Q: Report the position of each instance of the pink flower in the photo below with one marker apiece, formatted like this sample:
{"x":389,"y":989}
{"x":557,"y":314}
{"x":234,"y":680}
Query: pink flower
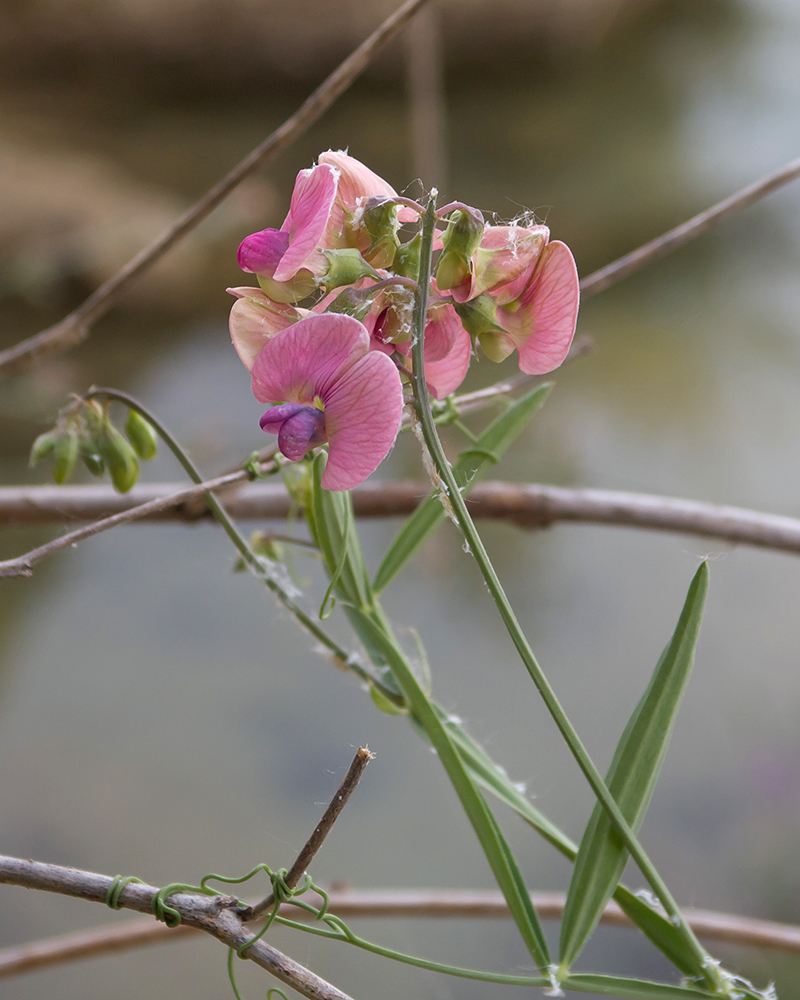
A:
{"x":540,"y":320}
{"x":505,"y":253}
{"x":332,"y":388}
{"x":256,"y":319}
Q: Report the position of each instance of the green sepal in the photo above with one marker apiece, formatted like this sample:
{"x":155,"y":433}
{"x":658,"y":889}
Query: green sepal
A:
{"x":65,"y":453}
{"x":379,"y":221}
{"x":355,"y":302}
{"x":141,"y":435}
{"x":631,"y":778}
{"x":406,"y":258}
{"x":497,"y":851}
{"x":479,"y":316}
{"x":472,"y":463}
{"x":460,"y":241}
{"x":346,"y":267}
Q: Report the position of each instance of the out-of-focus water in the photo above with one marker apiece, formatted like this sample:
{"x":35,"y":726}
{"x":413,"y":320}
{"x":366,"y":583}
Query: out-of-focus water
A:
{"x":159,"y":716}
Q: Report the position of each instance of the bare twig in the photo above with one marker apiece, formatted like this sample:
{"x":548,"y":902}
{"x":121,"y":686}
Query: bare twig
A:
{"x":686,"y":231}
{"x":389,"y":903}
{"x":75,"y":327}
{"x":216,"y":915}
{"x":323,"y":828}
{"x":527,"y":505}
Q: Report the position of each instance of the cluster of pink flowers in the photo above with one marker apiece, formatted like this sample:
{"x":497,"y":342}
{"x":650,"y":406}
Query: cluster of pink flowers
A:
{"x":328,"y":370}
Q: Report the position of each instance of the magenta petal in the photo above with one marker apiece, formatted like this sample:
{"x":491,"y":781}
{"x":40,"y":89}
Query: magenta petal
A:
{"x":362,"y":417}
{"x":274,"y":417}
{"x":261,"y":252}
{"x":308,"y":358}
{"x":551,"y":309}
{"x":445,"y":376}
{"x":301,"y":432}
{"x":312,"y":200}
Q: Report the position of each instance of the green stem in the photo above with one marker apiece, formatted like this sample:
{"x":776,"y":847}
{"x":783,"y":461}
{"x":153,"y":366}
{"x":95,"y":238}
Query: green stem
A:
{"x":255,"y":562}
{"x":479,"y":553}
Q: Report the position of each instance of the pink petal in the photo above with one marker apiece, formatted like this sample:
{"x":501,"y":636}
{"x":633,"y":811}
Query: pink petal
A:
{"x":260,"y":253}
{"x":445,"y":376}
{"x":312,"y":200}
{"x":505,"y":253}
{"x":442,"y":332}
{"x":363,"y":410}
{"x":308,"y":358}
{"x":254,"y":320}
{"x":545,"y":325}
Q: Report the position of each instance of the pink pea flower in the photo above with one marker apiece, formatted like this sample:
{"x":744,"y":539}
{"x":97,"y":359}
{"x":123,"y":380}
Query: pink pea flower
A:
{"x":505,"y":254}
{"x":330,"y":387}
{"x":256,"y":319}
{"x":540,"y":319}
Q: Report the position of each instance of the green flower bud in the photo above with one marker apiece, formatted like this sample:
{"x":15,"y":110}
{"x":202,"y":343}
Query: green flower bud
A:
{"x":42,"y":447}
{"x":65,"y":452}
{"x":346,"y":267}
{"x":141,"y":435}
{"x":379,"y":220}
{"x":406,"y":260}
{"x":120,"y":458}
{"x":91,"y":457}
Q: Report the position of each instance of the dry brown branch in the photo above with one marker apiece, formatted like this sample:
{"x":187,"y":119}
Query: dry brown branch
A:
{"x":323,"y":828}
{"x":686,"y":231}
{"x":527,"y":505}
{"x":216,"y":915}
{"x":75,"y":327}
{"x":426,"y":903}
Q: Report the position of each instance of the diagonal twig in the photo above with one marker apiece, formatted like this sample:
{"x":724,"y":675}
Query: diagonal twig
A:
{"x":312,"y":845}
{"x":216,"y":915}
{"x":74,"y":328}
{"x":599,"y":280}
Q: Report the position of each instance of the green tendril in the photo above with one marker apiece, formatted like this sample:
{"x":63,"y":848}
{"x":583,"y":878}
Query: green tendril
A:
{"x":115,"y":890}
{"x":168,"y":914}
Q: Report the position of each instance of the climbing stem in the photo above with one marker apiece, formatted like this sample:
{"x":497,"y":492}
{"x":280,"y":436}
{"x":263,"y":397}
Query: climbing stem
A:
{"x":452,"y":495}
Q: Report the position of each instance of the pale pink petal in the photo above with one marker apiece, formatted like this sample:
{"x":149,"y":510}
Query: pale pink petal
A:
{"x":505,"y":253}
{"x":445,"y":376}
{"x":442,"y":332}
{"x":312,"y":200}
{"x":255,"y":319}
{"x":545,"y":325}
{"x":260,"y":253}
{"x":362,"y":417}
{"x":308,"y":358}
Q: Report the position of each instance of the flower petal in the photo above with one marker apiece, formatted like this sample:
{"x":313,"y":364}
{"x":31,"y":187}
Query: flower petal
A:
{"x":273,"y":419}
{"x":312,"y":200}
{"x":301,"y":432}
{"x":260,"y":253}
{"x":544,"y":326}
{"x":362,"y":417}
{"x":308,"y":358}
{"x":445,"y":376}
{"x":505,"y":253}
{"x":255,"y":319}
{"x":442,"y":332}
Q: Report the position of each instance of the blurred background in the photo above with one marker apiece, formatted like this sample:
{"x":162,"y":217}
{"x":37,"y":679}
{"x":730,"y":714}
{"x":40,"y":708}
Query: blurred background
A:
{"x":158,"y":715}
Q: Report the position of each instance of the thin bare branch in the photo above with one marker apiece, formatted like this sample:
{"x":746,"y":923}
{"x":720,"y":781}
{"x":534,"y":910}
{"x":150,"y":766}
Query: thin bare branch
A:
{"x":216,"y":915}
{"x":436,"y":903}
{"x":686,"y":231}
{"x":75,"y":327}
{"x":312,"y":845}
{"x":527,"y":505}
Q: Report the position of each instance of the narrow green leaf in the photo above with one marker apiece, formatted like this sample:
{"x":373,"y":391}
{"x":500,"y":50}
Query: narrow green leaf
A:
{"x":661,"y":931}
{"x":631,"y":989}
{"x":631,"y":778}
{"x":487,"y":450}
{"x":483,"y":823}
{"x":332,"y":524}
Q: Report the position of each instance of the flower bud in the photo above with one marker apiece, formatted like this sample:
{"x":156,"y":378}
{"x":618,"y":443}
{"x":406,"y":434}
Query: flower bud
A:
{"x":65,"y":452}
{"x":42,"y":447}
{"x":379,"y":221}
{"x":91,"y":457}
{"x":346,"y":267}
{"x":120,"y":458}
{"x":460,"y":241}
{"x":141,"y":435}
{"x":406,"y":259}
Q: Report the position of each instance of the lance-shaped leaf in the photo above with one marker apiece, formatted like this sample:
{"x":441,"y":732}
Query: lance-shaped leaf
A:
{"x":497,"y":851}
{"x":472,"y":463}
{"x":631,"y":778}
{"x":631,"y":989}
